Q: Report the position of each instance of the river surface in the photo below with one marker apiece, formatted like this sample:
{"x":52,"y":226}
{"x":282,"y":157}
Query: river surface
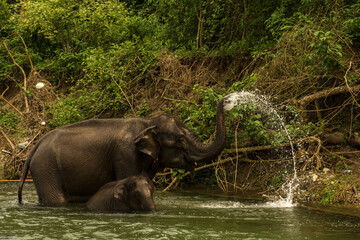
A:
{"x":179,"y":215}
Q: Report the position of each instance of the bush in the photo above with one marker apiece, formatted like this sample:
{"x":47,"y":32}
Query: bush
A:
{"x":9,"y":120}
{"x":65,"y":33}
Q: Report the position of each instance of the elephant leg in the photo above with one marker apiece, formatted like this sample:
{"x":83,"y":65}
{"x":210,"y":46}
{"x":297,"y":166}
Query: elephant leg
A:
{"x":49,"y":188}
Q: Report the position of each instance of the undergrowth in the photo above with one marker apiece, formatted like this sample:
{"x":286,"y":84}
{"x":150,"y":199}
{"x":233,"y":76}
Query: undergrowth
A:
{"x":108,"y":59}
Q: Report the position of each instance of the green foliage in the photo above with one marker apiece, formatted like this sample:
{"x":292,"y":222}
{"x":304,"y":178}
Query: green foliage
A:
{"x":336,"y":190}
{"x":9,"y":120}
{"x":228,"y":26}
{"x":178,"y":173}
{"x":329,"y":193}
{"x":316,"y":44}
{"x":246,"y":84}
{"x":74,"y":24}
{"x":143,"y":109}
{"x":326,"y":39}
{"x":64,"y":32}
{"x":340,"y":166}
{"x":79,"y":105}
{"x":5,"y":13}
{"x":201,"y":115}
{"x":279,"y":178}
{"x":298,"y":130}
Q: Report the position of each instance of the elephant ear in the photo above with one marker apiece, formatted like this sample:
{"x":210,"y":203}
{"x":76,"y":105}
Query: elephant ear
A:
{"x":120,"y":192}
{"x":146,"y":142}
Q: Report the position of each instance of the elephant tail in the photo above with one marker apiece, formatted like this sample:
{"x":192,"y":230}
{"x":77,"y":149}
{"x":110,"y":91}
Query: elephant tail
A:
{"x":26,"y":170}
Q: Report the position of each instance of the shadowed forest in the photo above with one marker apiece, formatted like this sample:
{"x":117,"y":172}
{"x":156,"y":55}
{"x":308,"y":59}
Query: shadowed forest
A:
{"x":63,"y":61}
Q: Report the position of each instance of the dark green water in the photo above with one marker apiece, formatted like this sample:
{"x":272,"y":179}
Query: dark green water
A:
{"x":179,"y":216}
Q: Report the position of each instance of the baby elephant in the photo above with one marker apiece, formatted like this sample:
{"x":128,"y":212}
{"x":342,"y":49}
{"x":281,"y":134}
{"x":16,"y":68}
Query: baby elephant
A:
{"x":130,"y":194}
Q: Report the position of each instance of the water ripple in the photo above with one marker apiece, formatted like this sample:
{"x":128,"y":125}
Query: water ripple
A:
{"x":179,"y":216}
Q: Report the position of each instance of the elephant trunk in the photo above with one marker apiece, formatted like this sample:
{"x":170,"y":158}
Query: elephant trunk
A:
{"x":148,"y":205}
{"x":199,"y":152}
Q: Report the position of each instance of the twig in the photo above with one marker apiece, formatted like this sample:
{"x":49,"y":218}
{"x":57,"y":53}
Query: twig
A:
{"x":3,"y":98}
{"x":198,"y":169}
{"x":6,"y":152}
{"x":5,"y":181}
{"x":8,"y":140}
{"x":27,"y":53}
{"x":27,"y":145}
{"x":347,"y":85}
{"x":118,"y":85}
{"x":237,"y":154}
{"x":315,"y":155}
{"x":24,"y":75}
{"x":173,"y":99}
{"x":170,"y":185}
{"x":178,"y":82}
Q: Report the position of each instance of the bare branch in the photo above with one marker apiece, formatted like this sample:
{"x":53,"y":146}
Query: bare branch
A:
{"x":8,"y":140}
{"x":327,"y":92}
{"x":24,"y":76}
{"x":3,"y":98}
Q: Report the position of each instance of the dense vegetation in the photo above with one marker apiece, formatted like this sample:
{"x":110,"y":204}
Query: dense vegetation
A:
{"x":101,"y":58}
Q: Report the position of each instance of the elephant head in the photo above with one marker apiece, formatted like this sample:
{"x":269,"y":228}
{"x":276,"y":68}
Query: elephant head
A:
{"x":171,"y":144}
{"x":137,"y":192}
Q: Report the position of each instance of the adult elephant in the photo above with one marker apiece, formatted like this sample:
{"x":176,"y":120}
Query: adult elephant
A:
{"x":72,"y":162}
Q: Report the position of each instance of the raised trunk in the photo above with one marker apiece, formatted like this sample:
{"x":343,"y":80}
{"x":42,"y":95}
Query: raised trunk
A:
{"x":200,"y":152}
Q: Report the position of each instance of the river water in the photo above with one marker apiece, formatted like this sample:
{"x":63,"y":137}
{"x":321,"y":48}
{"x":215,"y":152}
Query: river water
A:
{"x":179,"y":215}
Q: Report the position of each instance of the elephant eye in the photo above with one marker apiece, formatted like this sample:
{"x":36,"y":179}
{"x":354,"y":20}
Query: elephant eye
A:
{"x":137,"y":195}
{"x":181,"y":142}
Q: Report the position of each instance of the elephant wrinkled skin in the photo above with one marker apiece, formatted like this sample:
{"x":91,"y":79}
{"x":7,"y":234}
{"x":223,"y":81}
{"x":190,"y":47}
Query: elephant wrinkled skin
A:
{"x":129,"y":194}
{"x":70,"y":163}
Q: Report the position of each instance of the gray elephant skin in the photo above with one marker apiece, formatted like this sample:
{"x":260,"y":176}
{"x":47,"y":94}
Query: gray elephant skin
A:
{"x":130,"y":194}
{"x":71,"y":163}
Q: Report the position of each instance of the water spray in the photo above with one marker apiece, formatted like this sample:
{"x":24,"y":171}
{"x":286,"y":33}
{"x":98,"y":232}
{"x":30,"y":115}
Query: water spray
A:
{"x":264,"y":105}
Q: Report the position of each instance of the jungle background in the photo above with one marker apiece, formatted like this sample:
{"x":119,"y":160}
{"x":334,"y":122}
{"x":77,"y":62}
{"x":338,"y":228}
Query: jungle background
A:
{"x":63,"y":61}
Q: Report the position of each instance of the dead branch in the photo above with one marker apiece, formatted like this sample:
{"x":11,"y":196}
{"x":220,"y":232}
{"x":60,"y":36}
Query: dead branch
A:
{"x":237,"y":153}
{"x":5,"y":100}
{"x":347,"y":84}
{"x":315,"y":155}
{"x":198,"y":169}
{"x":325,"y":93}
{"x":245,"y":150}
{"x":118,"y":85}
{"x":171,"y":184}
{"x":22,"y":71}
{"x":5,"y":181}
{"x":267,"y":147}
{"x":8,"y":139}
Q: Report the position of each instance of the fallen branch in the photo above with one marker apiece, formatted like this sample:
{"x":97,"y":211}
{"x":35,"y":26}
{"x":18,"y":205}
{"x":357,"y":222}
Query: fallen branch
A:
{"x":198,"y":169}
{"x":5,"y":181}
{"x":171,"y":184}
{"x":328,"y":92}
{"x":245,"y":150}
{"x":268,"y":147}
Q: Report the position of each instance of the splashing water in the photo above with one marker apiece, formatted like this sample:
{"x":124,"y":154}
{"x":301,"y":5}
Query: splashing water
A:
{"x":264,"y":105}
